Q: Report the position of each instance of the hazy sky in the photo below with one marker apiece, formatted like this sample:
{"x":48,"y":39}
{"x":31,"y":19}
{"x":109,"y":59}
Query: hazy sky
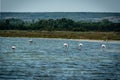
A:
{"x":60,"y":5}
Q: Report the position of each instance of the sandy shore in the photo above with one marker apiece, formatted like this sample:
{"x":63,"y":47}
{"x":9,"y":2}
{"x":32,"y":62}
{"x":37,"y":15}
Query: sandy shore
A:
{"x":87,"y":40}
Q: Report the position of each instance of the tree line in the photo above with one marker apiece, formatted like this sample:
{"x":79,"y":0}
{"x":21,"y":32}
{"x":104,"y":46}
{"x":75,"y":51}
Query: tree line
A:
{"x":62,"y":24}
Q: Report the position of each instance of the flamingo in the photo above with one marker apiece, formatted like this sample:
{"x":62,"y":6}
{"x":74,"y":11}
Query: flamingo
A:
{"x":13,"y":48}
{"x":30,"y":40}
{"x":80,"y":45}
{"x":103,"y":46}
{"x":65,"y":45}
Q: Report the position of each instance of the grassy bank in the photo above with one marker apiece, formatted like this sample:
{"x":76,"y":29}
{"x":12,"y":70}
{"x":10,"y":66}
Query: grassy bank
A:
{"x":61,"y":34}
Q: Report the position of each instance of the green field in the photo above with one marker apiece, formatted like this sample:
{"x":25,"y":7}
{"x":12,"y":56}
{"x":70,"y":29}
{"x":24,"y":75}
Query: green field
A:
{"x":61,"y":34}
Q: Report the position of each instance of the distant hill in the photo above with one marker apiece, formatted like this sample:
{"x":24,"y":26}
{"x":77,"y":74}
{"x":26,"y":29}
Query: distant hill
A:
{"x":77,"y":16}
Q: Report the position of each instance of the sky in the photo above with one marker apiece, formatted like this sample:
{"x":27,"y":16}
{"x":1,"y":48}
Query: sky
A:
{"x":59,"y":5}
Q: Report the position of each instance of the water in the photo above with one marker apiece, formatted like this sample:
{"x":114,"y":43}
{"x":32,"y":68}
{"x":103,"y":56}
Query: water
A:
{"x":77,"y":16}
{"x":48,"y":59}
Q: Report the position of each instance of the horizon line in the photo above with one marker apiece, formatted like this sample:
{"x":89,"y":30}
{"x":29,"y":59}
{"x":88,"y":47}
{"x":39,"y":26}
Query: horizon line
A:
{"x":57,"y":12}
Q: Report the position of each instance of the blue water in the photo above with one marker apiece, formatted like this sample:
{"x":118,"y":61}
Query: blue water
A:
{"x":76,"y":16}
{"x":48,"y":59}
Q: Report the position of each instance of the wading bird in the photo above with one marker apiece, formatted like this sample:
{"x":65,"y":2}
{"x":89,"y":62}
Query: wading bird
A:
{"x":80,"y":46}
{"x":30,"y":40}
{"x":13,"y":48}
{"x":103,"y":46}
{"x":65,"y":45}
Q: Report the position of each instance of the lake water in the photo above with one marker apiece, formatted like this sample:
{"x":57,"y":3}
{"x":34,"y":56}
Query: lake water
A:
{"x":48,"y":59}
{"x":76,"y":16}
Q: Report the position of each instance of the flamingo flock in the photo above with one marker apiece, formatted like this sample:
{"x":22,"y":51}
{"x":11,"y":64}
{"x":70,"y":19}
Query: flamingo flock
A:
{"x":66,"y":45}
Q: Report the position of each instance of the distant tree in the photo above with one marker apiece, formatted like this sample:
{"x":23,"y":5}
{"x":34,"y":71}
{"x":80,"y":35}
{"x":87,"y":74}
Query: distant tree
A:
{"x":62,"y":24}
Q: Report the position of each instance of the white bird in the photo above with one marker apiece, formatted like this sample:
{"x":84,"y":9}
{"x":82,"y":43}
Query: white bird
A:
{"x":65,"y":45}
{"x":13,"y":47}
{"x":30,"y":40}
{"x":80,"y":45}
{"x":103,"y":46}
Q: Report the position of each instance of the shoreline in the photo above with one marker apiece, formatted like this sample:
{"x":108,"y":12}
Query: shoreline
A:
{"x":87,"y":40}
{"x":96,"y":36}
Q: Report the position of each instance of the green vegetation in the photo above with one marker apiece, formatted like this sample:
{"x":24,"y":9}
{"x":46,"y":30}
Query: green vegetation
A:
{"x":59,"y":25}
{"x":61,"y":34}
{"x":60,"y":28}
